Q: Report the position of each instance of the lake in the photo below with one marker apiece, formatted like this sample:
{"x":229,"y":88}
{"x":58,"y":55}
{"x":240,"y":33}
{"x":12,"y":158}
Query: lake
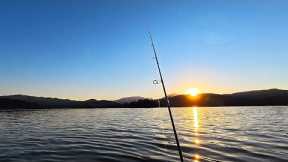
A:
{"x":236,"y":134}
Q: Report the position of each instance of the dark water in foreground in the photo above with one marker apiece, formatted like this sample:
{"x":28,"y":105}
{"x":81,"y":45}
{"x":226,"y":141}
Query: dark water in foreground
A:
{"x":107,"y":135}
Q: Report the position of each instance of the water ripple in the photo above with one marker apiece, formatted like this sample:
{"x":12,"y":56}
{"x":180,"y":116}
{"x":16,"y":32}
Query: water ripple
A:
{"x":130,"y":135}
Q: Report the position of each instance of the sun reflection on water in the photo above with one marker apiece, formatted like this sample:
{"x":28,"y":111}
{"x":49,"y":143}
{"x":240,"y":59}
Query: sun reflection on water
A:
{"x":196,"y":119}
{"x":196,"y":141}
{"x":196,"y":158}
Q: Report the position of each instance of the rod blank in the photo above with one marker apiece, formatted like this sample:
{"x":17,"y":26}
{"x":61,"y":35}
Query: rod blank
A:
{"x":166,"y":98}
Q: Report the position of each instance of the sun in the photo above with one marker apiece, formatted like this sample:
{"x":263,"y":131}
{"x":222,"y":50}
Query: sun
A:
{"x":193,"y":91}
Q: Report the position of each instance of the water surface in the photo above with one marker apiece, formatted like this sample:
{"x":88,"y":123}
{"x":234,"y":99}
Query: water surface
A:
{"x":236,"y":134}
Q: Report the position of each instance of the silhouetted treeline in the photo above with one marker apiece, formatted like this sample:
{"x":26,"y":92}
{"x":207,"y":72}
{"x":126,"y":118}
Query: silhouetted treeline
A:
{"x":250,"y":98}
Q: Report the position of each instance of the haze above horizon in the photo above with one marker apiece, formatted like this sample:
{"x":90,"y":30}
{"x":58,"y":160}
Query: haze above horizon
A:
{"x":91,"y":49}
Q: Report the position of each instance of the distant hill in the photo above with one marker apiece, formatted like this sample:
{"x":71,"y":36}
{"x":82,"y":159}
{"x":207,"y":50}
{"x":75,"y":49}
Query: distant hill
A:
{"x":126,"y":100}
{"x":45,"y":102}
{"x":248,"y":98}
{"x":6,"y":103}
{"x":41,"y":101}
{"x":259,"y":93}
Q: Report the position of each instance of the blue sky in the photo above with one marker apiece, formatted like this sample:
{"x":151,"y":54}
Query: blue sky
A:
{"x":82,"y":49}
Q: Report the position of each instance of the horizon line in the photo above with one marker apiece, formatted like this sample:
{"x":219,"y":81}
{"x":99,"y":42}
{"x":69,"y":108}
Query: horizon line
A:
{"x":172,"y":94}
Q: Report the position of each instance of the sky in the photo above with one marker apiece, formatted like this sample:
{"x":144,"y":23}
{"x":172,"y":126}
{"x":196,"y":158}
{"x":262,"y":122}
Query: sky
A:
{"x":82,"y":49}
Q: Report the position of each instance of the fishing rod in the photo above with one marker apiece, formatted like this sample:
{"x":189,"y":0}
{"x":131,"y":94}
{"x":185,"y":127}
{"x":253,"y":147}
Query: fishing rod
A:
{"x":166,"y":98}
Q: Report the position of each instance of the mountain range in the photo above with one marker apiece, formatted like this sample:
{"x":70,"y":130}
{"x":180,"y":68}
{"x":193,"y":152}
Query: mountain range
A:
{"x":248,"y":98}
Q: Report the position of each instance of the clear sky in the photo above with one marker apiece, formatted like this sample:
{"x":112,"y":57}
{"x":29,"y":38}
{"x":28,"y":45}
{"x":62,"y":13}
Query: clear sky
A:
{"x":82,"y":49}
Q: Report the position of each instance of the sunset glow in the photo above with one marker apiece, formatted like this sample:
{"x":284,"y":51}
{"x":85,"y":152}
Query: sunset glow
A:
{"x":192,"y":91}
